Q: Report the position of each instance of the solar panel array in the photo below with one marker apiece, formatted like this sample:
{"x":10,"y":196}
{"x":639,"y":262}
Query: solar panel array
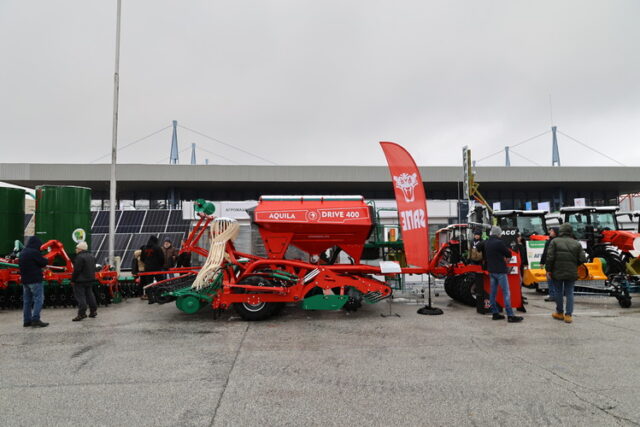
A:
{"x":133,"y":229}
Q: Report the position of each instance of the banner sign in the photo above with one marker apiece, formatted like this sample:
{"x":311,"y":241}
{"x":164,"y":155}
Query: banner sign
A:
{"x":412,"y":203}
{"x":534,"y":252}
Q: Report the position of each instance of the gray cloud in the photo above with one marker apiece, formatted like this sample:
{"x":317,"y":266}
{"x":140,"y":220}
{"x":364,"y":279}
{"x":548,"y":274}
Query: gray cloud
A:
{"x":302,"y":82}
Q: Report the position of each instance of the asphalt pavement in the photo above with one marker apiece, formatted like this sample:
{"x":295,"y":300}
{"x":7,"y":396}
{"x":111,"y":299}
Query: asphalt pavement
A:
{"x":140,"y":364}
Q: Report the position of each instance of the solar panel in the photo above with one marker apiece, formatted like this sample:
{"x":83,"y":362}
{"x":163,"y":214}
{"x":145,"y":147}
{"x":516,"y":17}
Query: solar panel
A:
{"x":137,"y":241}
{"x":176,"y":223}
{"x":27,"y":218}
{"x":156,"y":221}
{"x":130,"y":222}
{"x":101,"y":224}
{"x":97,"y":240}
{"x":121,"y":241}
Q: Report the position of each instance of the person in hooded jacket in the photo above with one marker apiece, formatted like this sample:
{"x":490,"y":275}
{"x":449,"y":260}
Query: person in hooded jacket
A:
{"x":31,"y":264}
{"x":553,"y":233}
{"x":564,"y":256}
{"x":153,"y":259}
{"x":82,"y":280}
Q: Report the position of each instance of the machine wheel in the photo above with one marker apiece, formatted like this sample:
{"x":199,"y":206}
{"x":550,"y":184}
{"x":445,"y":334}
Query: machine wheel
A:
{"x":467,"y":289}
{"x":614,"y":262}
{"x":624,"y":301}
{"x":355,"y":299}
{"x":451,"y":287}
{"x":260,"y":310}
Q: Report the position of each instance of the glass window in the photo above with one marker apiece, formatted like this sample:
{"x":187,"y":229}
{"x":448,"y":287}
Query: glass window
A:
{"x":528,"y":225}
{"x":579,"y":223}
{"x":603,"y":221}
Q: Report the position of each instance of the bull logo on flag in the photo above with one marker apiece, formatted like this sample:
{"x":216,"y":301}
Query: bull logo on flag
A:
{"x":407,"y":183}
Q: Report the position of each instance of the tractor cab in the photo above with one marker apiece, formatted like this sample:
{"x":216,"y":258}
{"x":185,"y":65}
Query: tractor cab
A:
{"x":454,"y":240}
{"x":530,"y":224}
{"x":629,"y":221}
{"x":589,"y":222}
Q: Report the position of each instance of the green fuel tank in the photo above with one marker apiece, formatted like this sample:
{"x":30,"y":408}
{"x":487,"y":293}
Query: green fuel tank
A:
{"x":11,"y":218}
{"x":63,"y":213}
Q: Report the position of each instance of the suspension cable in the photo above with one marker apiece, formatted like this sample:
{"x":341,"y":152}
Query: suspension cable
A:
{"x":227,"y":144}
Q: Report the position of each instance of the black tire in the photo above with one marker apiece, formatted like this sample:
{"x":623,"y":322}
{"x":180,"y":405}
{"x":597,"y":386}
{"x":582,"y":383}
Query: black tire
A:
{"x":615,"y":263}
{"x":467,"y":289}
{"x":451,"y":287}
{"x":261,"y":310}
{"x":624,"y":301}
{"x":355,"y":299}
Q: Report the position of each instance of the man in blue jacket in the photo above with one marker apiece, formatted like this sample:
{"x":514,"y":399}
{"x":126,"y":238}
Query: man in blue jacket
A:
{"x":496,"y":254}
{"x":31,"y":264}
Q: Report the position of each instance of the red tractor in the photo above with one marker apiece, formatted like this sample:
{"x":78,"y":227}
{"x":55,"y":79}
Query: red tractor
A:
{"x":602,"y":237}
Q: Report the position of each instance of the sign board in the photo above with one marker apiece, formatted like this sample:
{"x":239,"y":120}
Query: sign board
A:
{"x":528,"y":206}
{"x":496,"y":206}
{"x":580,"y":202}
{"x":466,"y":190}
{"x":235,"y":210}
{"x":544,"y":206}
{"x":534,"y":252}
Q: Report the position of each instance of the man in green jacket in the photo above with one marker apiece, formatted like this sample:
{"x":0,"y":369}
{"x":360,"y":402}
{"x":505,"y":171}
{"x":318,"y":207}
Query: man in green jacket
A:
{"x":564,"y":255}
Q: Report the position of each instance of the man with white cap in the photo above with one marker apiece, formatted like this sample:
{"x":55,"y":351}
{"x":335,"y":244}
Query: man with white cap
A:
{"x":497,"y":254}
{"x":83,"y":278}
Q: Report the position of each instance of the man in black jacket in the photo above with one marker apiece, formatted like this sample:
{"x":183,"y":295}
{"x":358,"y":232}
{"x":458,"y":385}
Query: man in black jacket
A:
{"x":31,"y":263}
{"x":153,"y":259}
{"x":82,"y":279}
{"x":496,"y":254}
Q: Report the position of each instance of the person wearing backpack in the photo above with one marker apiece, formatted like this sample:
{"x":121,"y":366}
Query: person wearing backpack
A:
{"x":564,"y":255}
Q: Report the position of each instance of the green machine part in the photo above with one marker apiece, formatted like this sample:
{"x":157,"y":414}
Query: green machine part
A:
{"x":63,"y":213}
{"x":324,"y":302}
{"x":201,"y":205}
{"x":11,"y":218}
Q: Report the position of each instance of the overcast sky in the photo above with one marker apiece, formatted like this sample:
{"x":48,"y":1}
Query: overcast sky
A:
{"x":321,"y":82}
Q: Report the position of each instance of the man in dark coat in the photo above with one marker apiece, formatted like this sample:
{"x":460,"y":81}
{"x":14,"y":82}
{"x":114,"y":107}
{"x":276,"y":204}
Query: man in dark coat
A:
{"x":564,"y":256}
{"x":496,"y":254}
{"x":31,"y":264}
{"x":553,"y":233}
{"x":82,"y":280}
{"x":153,"y":259}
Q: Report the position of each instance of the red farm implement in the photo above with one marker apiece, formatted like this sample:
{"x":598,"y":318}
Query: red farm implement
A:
{"x":257,"y":287}
{"x":57,"y":276}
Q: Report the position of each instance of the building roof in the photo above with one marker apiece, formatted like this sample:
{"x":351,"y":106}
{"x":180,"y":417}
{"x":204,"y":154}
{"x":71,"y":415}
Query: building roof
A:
{"x":139,"y":177}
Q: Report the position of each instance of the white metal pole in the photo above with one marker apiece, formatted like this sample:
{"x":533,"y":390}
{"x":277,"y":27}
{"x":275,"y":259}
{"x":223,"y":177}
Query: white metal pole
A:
{"x":114,"y":144}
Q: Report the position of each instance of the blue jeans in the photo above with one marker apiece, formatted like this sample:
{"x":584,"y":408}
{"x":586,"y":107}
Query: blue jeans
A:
{"x":564,"y":287}
{"x":552,"y":289}
{"x":32,"y":299}
{"x":500,"y":279}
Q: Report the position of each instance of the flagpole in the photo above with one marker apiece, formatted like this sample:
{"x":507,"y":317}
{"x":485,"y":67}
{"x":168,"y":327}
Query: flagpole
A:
{"x":114,"y":144}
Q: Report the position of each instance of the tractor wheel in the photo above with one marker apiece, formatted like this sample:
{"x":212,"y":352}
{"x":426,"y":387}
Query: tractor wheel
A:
{"x":467,"y":289}
{"x":614,"y":264}
{"x":259,"y":310}
{"x":451,"y":287}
